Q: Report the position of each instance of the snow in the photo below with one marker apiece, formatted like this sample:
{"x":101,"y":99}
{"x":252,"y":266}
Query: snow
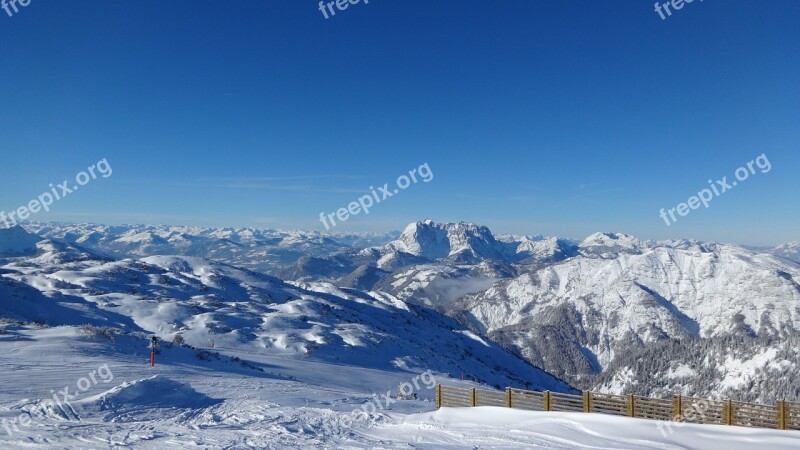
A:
{"x":262,"y":249}
{"x":475,"y":337}
{"x":15,"y":241}
{"x":672,"y":291}
{"x":737,"y":373}
{"x":153,"y":392}
{"x":431,"y":241}
{"x":292,"y":361}
{"x":681,"y":371}
{"x":790,"y":251}
{"x":607,"y":244}
{"x":282,"y":403}
{"x":503,"y":428}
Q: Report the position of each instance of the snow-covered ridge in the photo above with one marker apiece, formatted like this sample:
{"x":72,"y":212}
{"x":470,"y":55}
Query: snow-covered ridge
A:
{"x":206,"y":301}
{"x":265,"y":249}
{"x":16,"y":241}
{"x":434,"y":241}
{"x":790,"y":251}
{"x":596,"y":309}
{"x":572,"y":307}
{"x":465,"y":243}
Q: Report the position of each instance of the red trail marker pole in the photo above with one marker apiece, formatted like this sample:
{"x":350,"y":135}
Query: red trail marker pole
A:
{"x":153,"y":343}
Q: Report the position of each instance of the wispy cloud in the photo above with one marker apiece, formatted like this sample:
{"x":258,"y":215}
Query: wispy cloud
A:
{"x":285,"y":178}
{"x":300,"y":183}
{"x":491,"y":198}
{"x":132,"y":217}
{"x":595,"y":192}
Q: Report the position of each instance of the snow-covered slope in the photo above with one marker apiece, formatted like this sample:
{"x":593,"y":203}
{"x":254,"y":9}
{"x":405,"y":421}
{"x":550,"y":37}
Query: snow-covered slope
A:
{"x":289,"y":359}
{"x":440,"y":284}
{"x":206,"y":302}
{"x":363,"y":278}
{"x":790,"y":251}
{"x":15,"y":241}
{"x":575,"y":317}
{"x":610,"y":244}
{"x":503,"y":428}
{"x":468,"y":243}
{"x":752,"y":369}
{"x":573,"y":307}
{"x":463,"y":242}
{"x":259,"y":249}
{"x":542,"y":249}
{"x":195,"y":398}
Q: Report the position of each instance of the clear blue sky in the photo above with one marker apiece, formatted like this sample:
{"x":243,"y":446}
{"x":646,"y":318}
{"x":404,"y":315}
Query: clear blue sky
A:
{"x":556,"y":117}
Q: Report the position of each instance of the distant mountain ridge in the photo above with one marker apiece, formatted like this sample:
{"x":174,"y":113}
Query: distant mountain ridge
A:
{"x":583,"y":310}
{"x":16,"y":241}
{"x":204,"y":300}
{"x":790,"y":251}
{"x":266,"y":250}
{"x":577,"y":317}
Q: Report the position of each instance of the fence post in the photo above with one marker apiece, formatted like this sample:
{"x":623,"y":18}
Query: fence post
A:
{"x":631,"y":407}
{"x":474,"y":397}
{"x":509,"y":399}
{"x":676,"y":408}
{"x":728,"y":416}
{"x":587,"y":401}
{"x":438,"y":396}
{"x":547,"y":405}
{"x":781,"y":415}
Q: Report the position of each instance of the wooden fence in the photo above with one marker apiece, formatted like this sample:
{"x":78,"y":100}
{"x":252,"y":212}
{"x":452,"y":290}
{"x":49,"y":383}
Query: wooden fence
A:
{"x":782,"y":416}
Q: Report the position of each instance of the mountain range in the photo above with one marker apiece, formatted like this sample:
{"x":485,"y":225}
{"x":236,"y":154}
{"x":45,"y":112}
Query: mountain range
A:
{"x":609,"y":312}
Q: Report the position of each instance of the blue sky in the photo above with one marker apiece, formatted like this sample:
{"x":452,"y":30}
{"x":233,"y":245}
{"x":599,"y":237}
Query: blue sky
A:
{"x":555,"y":117}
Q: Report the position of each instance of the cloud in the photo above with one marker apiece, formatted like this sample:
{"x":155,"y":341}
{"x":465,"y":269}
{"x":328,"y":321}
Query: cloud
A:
{"x":285,"y":183}
{"x":494,"y":198}
{"x":595,"y":192}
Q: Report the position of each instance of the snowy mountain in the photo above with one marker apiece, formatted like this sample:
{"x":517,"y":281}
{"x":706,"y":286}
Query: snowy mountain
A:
{"x":205,"y":301}
{"x":576,"y":317}
{"x":308,"y":256}
{"x":759,"y":369}
{"x":463,"y":242}
{"x":790,"y":251}
{"x":16,"y":241}
{"x":537,"y":249}
{"x":436,"y":264}
{"x":224,"y":398}
{"x":363,"y":278}
{"x":467,"y":243}
{"x":362,"y":313}
{"x":440,"y":284}
{"x":610,"y":245}
{"x":574,"y":308}
{"x":266,"y":250}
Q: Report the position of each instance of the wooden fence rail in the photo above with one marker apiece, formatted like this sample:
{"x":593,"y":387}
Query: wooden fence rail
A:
{"x":782,"y":416}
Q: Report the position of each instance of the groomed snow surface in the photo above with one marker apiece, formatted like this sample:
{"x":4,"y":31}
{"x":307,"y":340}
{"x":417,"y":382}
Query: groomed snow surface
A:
{"x":279,"y":402}
{"x":503,"y":428}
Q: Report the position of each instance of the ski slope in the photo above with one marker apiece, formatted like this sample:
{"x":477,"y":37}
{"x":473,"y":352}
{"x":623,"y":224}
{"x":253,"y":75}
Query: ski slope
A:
{"x":279,"y":402}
